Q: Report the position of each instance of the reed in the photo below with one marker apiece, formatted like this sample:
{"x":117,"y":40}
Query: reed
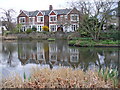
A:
{"x":59,"y":78}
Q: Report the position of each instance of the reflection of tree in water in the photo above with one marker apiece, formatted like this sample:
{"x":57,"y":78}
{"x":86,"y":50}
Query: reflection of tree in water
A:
{"x":118,"y":64}
{"x":8,"y":49}
{"x":85,"y":57}
{"x":88,"y":56}
{"x":27,"y":51}
{"x":100,"y":57}
{"x":111,"y":58}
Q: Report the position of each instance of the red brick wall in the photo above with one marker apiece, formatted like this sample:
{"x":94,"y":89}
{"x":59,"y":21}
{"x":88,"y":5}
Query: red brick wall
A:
{"x":74,"y":11}
{"x":24,"y":15}
{"x":46,"y":21}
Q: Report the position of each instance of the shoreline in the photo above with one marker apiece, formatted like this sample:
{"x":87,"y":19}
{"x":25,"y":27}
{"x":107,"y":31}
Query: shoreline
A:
{"x":94,"y":45}
{"x":72,"y":45}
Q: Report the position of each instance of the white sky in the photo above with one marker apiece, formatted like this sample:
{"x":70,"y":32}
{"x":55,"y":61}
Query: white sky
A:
{"x":32,"y":4}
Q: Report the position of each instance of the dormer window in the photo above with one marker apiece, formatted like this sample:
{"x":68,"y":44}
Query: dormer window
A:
{"x":40,"y":19}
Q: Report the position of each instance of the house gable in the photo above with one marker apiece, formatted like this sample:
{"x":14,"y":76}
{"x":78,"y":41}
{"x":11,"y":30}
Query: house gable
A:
{"x":52,"y":13}
{"x":40,"y":14}
{"x":74,"y":11}
{"x":22,"y":14}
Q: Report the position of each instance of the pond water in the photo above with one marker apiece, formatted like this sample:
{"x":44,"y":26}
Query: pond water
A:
{"x":20,"y":56}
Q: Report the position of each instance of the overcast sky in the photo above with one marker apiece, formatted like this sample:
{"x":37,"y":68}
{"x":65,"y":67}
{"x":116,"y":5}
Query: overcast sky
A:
{"x":32,"y":4}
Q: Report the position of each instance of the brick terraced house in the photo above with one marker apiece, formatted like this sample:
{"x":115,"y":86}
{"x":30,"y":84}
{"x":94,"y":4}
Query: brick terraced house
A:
{"x":67,"y":19}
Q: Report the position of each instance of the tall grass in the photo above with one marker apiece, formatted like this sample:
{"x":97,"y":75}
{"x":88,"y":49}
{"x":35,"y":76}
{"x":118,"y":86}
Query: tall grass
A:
{"x":111,"y":74}
{"x":59,"y":78}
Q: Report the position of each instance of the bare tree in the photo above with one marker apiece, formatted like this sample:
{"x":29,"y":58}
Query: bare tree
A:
{"x":95,"y":15}
{"x":7,"y":18}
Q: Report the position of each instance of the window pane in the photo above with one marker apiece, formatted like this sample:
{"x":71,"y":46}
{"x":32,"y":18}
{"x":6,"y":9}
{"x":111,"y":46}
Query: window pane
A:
{"x":53,"y":18}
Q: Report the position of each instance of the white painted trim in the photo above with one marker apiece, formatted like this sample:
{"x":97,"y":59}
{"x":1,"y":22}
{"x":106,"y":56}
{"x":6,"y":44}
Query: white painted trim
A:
{"x":40,"y":21}
{"x":39,"y":12}
{"x":74,"y":55}
{"x":52,"y":16}
{"x":75,"y":27}
{"x":50,"y":27}
{"x":39,"y":26}
{"x":22,"y":11}
{"x":69,"y":11}
{"x":51,"y":12}
{"x":22,"y":22}
{"x":74,"y":15}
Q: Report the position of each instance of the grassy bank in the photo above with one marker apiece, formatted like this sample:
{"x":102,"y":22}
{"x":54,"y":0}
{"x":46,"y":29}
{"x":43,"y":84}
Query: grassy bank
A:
{"x":90,"y":42}
{"x":62,"y":78}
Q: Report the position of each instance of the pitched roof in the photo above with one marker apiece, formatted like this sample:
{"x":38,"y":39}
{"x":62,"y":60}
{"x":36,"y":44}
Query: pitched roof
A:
{"x":46,"y":12}
{"x":31,"y":13}
{"x":62,"y":11}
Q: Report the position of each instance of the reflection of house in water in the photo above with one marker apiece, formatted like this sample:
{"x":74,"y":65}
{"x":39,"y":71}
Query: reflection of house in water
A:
{"x":74,"y":57}
{"x":31,"y":53}
{"x":53,"y":53}
{"x":40,"y":53}
{"x":48,"y":53}
{"x":23,"y":52}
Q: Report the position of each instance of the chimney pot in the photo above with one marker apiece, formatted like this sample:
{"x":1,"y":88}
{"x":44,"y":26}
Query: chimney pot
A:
{"x":50,"y":7}
{"x":20,"y":11}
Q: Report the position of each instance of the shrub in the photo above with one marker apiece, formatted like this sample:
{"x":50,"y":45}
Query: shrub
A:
{"x":28,"y":31}
{"x":111,"y":34}
{"x":6,"y":33}
{"x":72,"y":42}
{"x":34,"y":28}
{"x":51,"y":39}
{"x":45,"y":28}
{"x":15,"y":31}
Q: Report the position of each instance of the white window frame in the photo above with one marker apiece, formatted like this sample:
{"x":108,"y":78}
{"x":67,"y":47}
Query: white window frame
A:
{"x":66,"y":16}
{"x":54,"y":55}
{"x":55,"y":29}
{"x":75,"y":28}
{"x":23,"y":28}
{"x":73,"y":50}
{"x":73,"y":56}
{"x":74,"y":15}
{"x":40,"y":29}
{"x":61,"y":16}
{"x":53,"y":16}
{"x":114,"y":13}
{"x":39,"y":20}
{"x":22,"y":18}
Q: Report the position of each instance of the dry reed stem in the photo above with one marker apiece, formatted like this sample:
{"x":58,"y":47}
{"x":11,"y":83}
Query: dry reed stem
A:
{"x":59,"y":78}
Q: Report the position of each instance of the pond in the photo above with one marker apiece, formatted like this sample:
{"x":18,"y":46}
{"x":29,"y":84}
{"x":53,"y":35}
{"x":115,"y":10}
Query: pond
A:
{"x":20,"y":56}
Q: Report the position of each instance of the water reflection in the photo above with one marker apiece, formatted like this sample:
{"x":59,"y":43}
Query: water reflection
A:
{"x":8,"y":54}
{"x":58,"y":53}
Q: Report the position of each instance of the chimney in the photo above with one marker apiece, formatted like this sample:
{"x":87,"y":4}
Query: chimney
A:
{"x":50,"y":7}
{"x":20,"y":11}
{"x":82,"y":10}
